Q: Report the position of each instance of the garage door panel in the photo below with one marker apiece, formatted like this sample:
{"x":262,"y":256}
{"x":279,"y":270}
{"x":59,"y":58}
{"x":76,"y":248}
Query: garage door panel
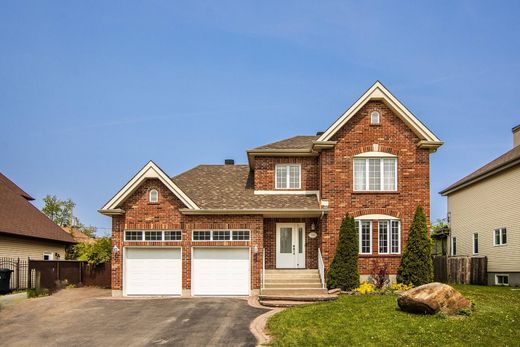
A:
{"x":221,"y":271}
{"x":153,"y":271}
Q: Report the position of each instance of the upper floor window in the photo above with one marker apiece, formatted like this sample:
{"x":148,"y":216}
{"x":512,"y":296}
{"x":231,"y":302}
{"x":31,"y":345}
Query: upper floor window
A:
{"x":153,"y":196}
{"x":288,"y":176}
{"x":500,"y":237}
{"x":375,"y":117}
{"x":375,"y":174}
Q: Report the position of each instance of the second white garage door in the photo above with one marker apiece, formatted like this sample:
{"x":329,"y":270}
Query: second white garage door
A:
{"x":153,"y":271}
{"x":220,"y":271}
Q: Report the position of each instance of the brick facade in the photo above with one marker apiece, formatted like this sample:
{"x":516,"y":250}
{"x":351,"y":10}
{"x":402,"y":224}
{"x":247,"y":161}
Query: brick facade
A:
{"x":330,"y":172}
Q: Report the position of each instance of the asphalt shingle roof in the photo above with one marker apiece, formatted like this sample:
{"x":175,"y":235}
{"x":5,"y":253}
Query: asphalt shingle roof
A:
{"x":19,"y":217}
{"x":296,"y":142}
{"x":231,"y":187}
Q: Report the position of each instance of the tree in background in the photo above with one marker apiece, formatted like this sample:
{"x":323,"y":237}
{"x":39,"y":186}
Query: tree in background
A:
{"x":60,"y":212}
{"x":94,"y":253}
{"x":416,"y":264}
{"x":343,"y":272}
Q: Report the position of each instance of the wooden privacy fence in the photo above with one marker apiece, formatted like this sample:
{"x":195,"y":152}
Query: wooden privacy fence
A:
{"x":52,"y":274}
{"x":20,"y":271}
{"x":461,"y":270}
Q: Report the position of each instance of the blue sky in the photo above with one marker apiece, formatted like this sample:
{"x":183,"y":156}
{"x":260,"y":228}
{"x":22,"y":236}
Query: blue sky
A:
{"x":92,"y":90}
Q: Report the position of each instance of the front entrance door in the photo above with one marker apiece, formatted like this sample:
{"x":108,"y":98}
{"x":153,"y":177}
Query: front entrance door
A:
{"x":290,"y":246}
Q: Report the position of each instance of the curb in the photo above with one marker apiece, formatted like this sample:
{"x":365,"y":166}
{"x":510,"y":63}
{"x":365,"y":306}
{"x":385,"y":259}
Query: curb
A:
{"x":258,"y":325}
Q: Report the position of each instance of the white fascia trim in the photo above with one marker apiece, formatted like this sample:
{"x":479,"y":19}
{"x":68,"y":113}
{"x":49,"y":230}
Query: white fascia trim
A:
{"x":376,"y":217}
{"x":375,"y":155}
{"x":379,"y":92}
{"x":150,"y":170}
{"x":287,"y":192}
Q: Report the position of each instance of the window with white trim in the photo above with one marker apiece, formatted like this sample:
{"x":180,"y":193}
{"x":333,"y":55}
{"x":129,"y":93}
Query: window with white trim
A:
{"x":375,"y":117}
{"x":389,"y":236}
{"x":48,"y":256}
{"x":375,"y":174}
{"x":288,"y":176}
{"x":153,"y":196}
{"x":475,"y":243}
{"x":364,"y":229}
{"x":502,"y":280}
{"x":453,"y":246}
{"x":221,"y":235}
{"x":500,"y":238}
{"x":153,"y":235}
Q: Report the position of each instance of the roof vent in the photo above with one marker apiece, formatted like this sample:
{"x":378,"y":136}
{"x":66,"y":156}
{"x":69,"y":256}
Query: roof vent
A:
{"x":319,"y":133}
{"x":229,"y":162}
{"x":516,"y":136}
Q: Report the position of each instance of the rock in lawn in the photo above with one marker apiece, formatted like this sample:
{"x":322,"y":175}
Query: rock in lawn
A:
{"x":432,"y":298}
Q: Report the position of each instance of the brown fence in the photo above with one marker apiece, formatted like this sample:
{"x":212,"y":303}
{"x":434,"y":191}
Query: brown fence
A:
{"x":20,"y":270}
{"x":461,"y":270}
{"x":52,"y":274}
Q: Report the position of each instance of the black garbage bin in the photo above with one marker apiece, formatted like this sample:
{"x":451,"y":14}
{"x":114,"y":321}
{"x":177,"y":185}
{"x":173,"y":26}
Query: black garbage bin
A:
{"x":5,"y":278}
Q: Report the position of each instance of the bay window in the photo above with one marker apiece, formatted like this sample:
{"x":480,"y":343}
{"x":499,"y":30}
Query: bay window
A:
{"x":375,"y":174}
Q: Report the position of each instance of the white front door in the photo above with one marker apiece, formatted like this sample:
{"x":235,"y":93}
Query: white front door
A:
{"x":290,"y":245}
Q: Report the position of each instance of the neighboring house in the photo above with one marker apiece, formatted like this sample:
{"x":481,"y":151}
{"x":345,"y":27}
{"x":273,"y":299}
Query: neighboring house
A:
{"x":79,"y":236}
{"x":213,"y":229}
{"x":25,"y":232}
{"x":484,"y":215}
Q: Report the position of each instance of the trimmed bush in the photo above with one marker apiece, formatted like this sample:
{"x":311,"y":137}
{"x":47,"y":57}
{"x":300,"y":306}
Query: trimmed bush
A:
{"x":343,"y":272}
{"x":416,"y":264}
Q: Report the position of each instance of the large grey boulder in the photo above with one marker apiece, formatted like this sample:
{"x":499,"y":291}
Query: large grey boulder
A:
{"x":431,"y":298}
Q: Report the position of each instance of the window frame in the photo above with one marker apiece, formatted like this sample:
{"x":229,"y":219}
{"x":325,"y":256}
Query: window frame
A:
{"x":150,"y":196}
{"x":288,"y":176}
{"x":359,"y":225}
{"x":233,"y":235}
{"x":49,"y":254}
{"x":389,"y":238}
{"x":378,"y":118}
{"x":143,"y":235}
{"x":502,"y":284}
{"x":502,"y":231}
{"x":453,"y":247}
{"x":366,"y":184}
{"x":475,"y":243}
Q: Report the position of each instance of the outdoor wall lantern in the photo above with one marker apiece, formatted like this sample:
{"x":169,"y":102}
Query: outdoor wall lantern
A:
{"x":313,"y":226}
{"x":255,"y":249}
{"x":115,"y":249}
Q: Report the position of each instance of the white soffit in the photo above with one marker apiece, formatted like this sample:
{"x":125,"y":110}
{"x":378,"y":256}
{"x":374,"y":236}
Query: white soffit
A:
{"x":150,"y":170}
{"x":376,"y":217}
{"x":379,"y":92}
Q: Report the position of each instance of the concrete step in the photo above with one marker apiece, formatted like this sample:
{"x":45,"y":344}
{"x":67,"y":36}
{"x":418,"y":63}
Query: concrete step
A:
{"x":293,"y":285}
{"x":293,"y":280}
{"x":292,"y":291}
{"x":291,"y":271}
{"x":284,"y":303}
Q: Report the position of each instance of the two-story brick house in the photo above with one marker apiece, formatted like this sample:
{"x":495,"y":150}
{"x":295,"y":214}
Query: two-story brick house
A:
{"x":272,"y":225}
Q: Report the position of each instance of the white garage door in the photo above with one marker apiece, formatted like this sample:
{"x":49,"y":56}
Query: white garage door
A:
{"x":220,"y":271}
{"x":153,"y":271}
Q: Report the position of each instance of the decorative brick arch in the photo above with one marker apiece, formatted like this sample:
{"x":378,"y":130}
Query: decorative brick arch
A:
{"x":370,"y":148}
{"x":385,"y":211}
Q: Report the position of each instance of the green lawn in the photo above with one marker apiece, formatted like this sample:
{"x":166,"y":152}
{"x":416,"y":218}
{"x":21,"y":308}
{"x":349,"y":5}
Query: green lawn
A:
{"x":375,"y":320}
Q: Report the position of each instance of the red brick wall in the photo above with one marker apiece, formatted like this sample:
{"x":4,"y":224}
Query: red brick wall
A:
{"x":265,"y":171}
{"x":311,"y":245}
{"x":336,"y":180}
{"x":165,"y":215}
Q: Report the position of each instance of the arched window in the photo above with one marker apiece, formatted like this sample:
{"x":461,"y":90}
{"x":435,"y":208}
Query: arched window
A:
{"x":375,"y":117}
{"x":388,"y":234}
{"x":154,"y":195}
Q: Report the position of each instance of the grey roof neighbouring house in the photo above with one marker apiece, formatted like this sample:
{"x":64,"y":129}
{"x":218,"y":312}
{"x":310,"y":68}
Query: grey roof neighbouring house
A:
{"x":496,"y":165}
{"x":19,"y":217}
{"x":231,"y":187}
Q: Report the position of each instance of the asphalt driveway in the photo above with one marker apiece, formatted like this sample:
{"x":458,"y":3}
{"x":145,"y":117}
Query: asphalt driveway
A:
{"x":89,"y":317}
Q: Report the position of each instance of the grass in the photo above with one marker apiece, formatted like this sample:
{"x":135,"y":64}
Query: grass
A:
{"x":375,"y":320}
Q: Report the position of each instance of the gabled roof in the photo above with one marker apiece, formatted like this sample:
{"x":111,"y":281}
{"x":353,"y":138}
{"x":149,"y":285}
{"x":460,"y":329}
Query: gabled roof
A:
{"x":230,"y":187}
{"x":19,"y":217}
{"x":150,"y":170}
{"x":505,"y":161}
{"x":379,"y":92}
{"x":295,"y":142}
